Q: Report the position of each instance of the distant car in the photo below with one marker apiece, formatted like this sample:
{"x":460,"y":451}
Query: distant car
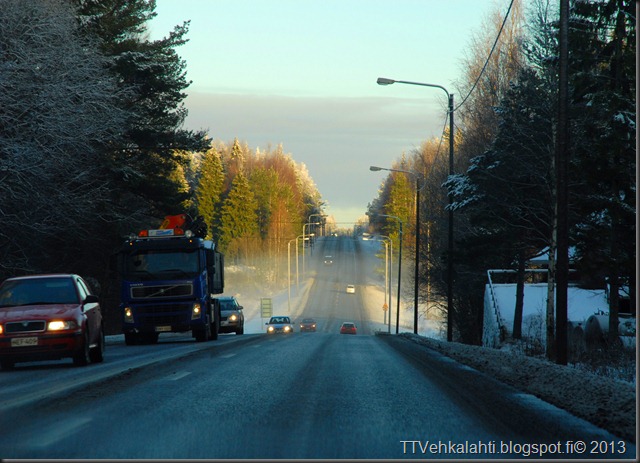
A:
{"x":49,"y":317}
{"x":348,"y":328}
{"x":308,"y":324}
{"x":351,"y":289}
{"x":279,"y":324}
{"x":231,"y":315}
{"x":328,"y":260}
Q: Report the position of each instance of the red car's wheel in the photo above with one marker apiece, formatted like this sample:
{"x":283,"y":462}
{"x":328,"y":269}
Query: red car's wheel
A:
{"x":82,"y":357}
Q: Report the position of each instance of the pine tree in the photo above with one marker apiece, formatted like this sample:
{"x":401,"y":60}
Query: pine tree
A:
{"x":209,"y":191}
{"x":604,"y":145}
{"x":154,"y":77}
{"x":239,"y":220}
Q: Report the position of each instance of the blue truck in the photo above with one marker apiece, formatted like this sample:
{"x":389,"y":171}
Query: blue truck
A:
{"x":169,"y":277}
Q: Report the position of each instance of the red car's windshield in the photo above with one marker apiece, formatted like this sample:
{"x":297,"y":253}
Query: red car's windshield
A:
{"x":38,"y":291}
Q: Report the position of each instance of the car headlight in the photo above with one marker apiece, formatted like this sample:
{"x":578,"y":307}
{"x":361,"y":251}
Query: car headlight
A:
{"x":233,"y":317}
{"x":270,"y":329}
{"x":59,"y":325}
{"x":287,"y":329}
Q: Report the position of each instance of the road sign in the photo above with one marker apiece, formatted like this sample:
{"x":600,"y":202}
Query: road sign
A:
{"x":266,"y":308}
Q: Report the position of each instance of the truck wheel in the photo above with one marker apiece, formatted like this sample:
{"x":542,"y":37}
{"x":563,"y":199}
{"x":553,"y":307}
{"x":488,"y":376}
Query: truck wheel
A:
{"x":215,"y":323}
{"x":203,"y":334}
{"x":200,"y":334}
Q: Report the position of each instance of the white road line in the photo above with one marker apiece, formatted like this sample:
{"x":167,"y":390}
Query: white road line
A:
{"x":178,"y":375}
{"x":227,"y":356}
{"x":60,"y":431}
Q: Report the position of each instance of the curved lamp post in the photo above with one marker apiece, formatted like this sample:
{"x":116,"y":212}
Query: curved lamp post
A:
{"x":389,"y":267}
{"x":385,"y":81}
{"x":289,"y":267}
{"x":417,"y":176}
{"x":304,"y":274}
{"x":400,"y":224}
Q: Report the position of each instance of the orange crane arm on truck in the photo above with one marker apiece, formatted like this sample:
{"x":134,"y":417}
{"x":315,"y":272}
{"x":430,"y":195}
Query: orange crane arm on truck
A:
{"x":173,"y":221}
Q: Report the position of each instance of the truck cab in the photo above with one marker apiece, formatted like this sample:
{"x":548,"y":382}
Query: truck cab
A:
{"x":168,"y":281}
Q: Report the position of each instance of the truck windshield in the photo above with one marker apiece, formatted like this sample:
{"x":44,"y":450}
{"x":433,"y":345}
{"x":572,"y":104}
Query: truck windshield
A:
{"x":162,"y":264}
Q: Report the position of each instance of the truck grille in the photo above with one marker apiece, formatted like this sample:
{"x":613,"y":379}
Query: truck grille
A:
{"x":146,"y":310}
{"x":165,"y":314}
{"x":138,"y":292}
{"x":25,"y":327}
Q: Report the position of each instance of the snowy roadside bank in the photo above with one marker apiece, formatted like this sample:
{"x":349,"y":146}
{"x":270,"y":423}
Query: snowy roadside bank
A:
{"x":609,"y":404}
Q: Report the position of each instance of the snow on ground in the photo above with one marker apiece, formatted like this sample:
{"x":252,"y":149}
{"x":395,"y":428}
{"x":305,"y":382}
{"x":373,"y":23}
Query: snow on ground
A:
{"x":582,"y":303}
{"x":605,"y":402}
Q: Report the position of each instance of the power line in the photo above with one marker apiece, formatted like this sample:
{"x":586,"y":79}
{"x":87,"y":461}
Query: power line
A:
{"x":506,"y":16}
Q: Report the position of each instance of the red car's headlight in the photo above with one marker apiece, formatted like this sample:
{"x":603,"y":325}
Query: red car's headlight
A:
{"x":61,"y":325}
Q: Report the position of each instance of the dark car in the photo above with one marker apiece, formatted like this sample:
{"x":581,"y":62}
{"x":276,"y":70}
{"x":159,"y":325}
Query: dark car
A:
{"x":308,"y":324}
{"x":231,"y":315}
{"x":49,"y":317}
{"x":348,"y":328}
{"x":279,"y":324}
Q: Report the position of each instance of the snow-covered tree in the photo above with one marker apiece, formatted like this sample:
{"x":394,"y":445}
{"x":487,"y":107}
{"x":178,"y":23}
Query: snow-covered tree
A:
{"x":155,"y":77}
{"x":58,"y":113}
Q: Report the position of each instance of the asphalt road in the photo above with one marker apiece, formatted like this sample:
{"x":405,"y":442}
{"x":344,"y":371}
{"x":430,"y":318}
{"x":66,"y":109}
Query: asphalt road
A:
{"x":305,"y":395}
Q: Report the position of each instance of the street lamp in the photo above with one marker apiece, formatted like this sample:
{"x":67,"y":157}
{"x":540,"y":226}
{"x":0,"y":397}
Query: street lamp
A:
{"x":385,"y":81}
{"x":389,"y":267}
{"x":303,"y":244}
{"x":415,"y":277}
{"x":289,"y":267}
{"x":319,"y":223}
{"x":400,"y":223}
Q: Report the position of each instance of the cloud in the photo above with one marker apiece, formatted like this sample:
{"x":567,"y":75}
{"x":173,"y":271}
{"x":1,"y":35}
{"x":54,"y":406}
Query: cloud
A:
{"x":336,"y":138}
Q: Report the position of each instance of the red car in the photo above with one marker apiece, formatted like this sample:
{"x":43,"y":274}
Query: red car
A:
{"x":49,"y":317}
{"x":348,"y":328}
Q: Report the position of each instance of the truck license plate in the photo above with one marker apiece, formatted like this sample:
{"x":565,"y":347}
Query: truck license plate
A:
{"x":162,"y":328}
{"x":22,"y":342}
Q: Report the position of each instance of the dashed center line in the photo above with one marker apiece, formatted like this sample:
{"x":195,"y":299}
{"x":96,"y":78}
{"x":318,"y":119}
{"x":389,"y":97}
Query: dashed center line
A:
{"x":178,"y":375}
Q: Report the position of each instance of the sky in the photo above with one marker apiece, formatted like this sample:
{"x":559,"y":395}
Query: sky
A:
{"x":302,"y":74}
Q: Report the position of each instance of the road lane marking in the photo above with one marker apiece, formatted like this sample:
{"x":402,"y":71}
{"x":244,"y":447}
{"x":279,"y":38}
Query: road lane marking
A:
{"x":227,"y":356}
{"x":60,"y":431}
{"x":178,"y":375}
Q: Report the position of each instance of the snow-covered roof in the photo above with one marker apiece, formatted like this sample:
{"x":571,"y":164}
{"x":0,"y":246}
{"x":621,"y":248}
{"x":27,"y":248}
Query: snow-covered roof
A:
{"x":582,"y":303}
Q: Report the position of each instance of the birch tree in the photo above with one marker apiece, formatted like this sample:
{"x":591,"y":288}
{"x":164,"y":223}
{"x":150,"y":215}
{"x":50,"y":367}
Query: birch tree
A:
{"x":58,"y":111}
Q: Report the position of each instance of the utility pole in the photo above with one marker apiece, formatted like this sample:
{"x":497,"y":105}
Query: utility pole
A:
{"x":562,"y":189}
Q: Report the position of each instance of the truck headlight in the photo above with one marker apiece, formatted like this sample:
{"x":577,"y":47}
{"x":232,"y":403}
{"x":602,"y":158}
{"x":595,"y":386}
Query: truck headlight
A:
{"x":128,"y":315}
{"x":196,"y":312}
